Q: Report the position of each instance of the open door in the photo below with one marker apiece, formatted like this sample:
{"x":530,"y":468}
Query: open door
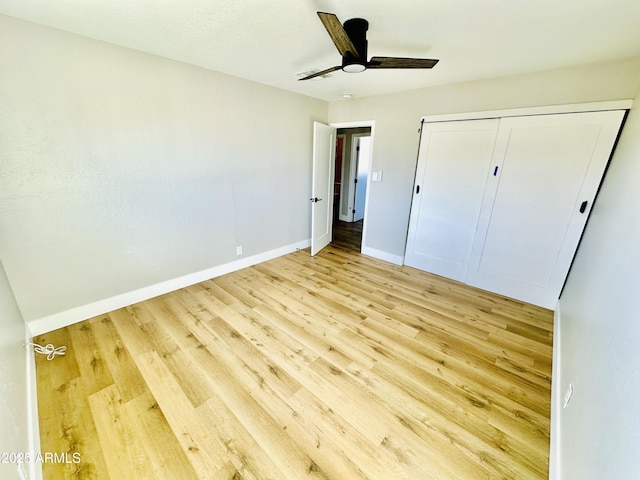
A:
{"x":324,"y":151}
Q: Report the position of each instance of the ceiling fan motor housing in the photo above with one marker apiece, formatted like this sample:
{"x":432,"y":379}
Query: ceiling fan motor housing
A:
{"x":356,"y":29}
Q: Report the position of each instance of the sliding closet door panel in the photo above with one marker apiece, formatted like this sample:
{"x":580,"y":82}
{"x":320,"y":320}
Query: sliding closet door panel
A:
{"x":453,"y":164}
{"x":542,"y":174}
{"x":531,"y":221}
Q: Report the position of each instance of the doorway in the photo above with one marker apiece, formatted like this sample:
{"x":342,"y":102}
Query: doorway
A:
{"x":352,"y":166}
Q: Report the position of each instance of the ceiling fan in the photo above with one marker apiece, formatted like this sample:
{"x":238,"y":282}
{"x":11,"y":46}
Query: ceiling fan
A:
{"x":351,"y":42}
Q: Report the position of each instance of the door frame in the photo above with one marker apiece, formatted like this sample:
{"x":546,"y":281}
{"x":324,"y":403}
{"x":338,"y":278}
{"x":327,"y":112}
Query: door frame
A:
{"x":342,"y":173}
{"x":362,"y":124}
{"x":353,"y":186}
{"x":347,"y":186}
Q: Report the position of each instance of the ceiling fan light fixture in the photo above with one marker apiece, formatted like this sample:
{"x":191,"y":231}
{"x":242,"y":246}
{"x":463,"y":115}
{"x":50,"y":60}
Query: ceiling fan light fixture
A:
{"x":351,"y":41}
{"x":354,"y":68}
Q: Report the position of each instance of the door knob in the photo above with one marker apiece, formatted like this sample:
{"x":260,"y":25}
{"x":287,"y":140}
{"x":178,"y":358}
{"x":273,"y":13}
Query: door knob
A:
{"x":315,"y":199}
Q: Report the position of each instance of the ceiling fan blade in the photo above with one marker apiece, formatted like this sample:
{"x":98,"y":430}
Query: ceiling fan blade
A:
{"x":323,"y":72}
{"x":337,"y":33}
{"x":398,"y":62}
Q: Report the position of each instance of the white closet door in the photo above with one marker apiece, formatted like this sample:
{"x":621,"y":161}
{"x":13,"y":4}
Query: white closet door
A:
{"x":534,"y":209}
{"x":453,"y":164}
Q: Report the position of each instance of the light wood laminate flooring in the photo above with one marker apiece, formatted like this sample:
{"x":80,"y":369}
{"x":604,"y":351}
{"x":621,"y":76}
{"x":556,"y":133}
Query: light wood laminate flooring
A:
{"x":337,"y":366}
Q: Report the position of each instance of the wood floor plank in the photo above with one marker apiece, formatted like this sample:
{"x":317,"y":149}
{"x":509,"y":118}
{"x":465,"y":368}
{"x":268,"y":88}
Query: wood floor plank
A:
{"x":338,"y":366}
{"x":65,"y":419}
{"x":117,"y":433}
{"x":198,"y":442}
{"x":471,"y":365}
{"x":334,"y":433}
{"x":314,"y":331}
{"x":67,"y":427}
{"x":267,"y":389}
{"x":117,"y":359}
{"x":452,"y":441}
{"x":290,"y":459}
{"x":166,"y":457}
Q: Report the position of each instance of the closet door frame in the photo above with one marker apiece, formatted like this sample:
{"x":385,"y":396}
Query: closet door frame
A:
{"x":524,"y":112}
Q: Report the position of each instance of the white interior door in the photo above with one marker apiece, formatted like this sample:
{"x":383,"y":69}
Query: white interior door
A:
{"x":453,"y":165}
{"x":363,"y":154}
{"x":535,"y":208}
{"x":324,"y":150}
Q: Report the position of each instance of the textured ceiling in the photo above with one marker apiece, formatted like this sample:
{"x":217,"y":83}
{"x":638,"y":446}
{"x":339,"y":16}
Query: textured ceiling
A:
{"x":271,"y":41}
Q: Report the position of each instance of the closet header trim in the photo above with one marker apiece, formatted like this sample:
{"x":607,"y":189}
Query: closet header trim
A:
{"x":521,"y":112}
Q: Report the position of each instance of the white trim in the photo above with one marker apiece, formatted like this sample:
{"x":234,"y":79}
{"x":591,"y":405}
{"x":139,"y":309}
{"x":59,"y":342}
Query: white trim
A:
{"x":363,"y":124}
{"x":556,"y":399}
{"x":351,"y":186}
{"x":367,"y":196}
{"x":353,"y":154}
{"x":34,"y":468}
{"x":519,"y":112}
{"x":78,"y":314}
{"x":380,"y":255}
{"x":341,"y":216}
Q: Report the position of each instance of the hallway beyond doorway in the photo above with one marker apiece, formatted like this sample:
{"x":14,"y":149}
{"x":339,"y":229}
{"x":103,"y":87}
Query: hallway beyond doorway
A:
{"x":347,"y":235}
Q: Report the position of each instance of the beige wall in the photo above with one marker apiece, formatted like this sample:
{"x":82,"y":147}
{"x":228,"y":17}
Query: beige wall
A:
{"x":600,"y":328}
{"x":122,"y":169}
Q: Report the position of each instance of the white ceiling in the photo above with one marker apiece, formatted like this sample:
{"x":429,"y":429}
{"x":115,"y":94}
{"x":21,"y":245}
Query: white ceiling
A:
{"x":270,"y":41}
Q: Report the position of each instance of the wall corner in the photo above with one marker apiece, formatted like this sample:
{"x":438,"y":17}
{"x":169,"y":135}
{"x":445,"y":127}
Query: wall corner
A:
{"x":556,"y":398}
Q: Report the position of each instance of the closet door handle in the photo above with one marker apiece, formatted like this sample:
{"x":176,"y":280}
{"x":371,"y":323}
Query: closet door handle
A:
{"x":417,"y":189}
{"x":583,"y":206}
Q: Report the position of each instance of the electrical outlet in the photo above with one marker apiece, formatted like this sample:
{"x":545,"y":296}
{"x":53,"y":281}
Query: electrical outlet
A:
{"x":239,"y":250}
{"x":568,"y":395}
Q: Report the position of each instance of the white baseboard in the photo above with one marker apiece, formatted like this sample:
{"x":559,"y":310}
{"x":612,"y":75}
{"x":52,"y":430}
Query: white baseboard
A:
{"x":78,"y":314}
{"x":380,"y":255}
{"x":556,"y":398}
